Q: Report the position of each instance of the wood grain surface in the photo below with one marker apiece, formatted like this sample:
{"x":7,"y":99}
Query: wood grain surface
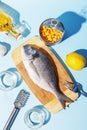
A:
{"x":46,"y":98}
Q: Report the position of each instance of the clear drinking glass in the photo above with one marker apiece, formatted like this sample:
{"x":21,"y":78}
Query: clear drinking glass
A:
{"x":36,"y":117}
{"x":8,"y":80}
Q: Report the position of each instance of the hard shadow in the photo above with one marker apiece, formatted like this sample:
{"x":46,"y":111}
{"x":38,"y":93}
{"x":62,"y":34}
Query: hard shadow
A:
{"x":22,"y":26}
{"x":72,"y":23}
{"x":78,"y":88}
{"x":19,"y":79}
{"x":61,"y":61}
{"x":7,"y":45}
{"x":11,"y":12}
{"x":83,"y":52}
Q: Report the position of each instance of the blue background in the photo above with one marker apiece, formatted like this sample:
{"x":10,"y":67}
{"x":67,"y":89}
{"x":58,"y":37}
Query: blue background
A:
{"x":73,"y":14}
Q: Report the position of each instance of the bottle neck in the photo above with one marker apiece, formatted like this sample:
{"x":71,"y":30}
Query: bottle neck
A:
{"x":15,"y":33}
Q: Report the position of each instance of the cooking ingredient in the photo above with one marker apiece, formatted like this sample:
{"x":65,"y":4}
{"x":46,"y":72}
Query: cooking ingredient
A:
{"x":5,"y":21}
{"x":6,"y":25}
{"x":42,"y":72}
{"x":3,"y":50}
{"x":75,"y":61}
{"x":50,"y":34}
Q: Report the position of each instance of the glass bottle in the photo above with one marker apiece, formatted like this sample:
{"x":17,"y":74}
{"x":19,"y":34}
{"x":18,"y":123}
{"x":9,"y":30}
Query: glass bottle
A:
{"x":10,"y":22}
{"x":6,"y":25}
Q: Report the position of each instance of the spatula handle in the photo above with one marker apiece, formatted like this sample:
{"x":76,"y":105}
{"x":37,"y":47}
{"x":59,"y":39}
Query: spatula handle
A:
{"x":11,"y":119}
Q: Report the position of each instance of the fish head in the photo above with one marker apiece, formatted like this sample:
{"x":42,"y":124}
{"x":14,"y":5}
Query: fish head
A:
{"x":30,"y":52}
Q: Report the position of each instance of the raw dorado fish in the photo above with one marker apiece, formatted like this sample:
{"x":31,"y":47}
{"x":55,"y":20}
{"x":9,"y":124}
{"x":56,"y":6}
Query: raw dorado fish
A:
{"x":42,"y":72}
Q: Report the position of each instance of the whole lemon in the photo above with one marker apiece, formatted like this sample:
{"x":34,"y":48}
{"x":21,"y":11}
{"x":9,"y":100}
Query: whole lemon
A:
{"x":75,"y":61}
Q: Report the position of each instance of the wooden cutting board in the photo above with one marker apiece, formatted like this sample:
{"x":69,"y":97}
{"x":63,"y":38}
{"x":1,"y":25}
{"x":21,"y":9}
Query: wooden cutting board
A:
{"x":46,"y":98}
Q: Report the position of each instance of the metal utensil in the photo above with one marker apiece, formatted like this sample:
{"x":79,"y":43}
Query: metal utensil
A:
{"x":20,"y":101}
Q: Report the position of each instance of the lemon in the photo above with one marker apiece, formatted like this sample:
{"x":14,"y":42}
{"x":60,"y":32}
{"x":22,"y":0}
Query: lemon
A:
{"x":75,"y":61}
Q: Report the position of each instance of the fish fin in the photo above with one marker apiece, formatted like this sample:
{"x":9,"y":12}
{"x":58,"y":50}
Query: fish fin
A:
{"x":63,"y":99}
{"x":69,"y":85}
{"x":61,"y":96}
{"x":34,"y":68}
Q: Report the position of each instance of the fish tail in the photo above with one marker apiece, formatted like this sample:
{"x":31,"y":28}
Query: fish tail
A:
{"x":63,"y":99}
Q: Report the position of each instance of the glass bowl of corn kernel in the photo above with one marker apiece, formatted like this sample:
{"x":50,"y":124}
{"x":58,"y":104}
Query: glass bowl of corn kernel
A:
{"x":51,"y":31}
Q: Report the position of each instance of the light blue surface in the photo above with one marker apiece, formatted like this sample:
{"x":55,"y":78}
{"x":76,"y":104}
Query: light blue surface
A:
{"x":34,"y":12}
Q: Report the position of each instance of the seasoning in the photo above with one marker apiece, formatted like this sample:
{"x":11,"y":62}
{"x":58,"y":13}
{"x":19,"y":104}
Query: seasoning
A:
{"x":3,"y":50}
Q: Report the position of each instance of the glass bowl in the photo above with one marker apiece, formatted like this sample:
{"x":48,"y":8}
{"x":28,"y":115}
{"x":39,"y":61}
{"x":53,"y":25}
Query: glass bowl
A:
{"x":8,"y":80}
{"x":34,"y":118}
{"x":51,"y":31}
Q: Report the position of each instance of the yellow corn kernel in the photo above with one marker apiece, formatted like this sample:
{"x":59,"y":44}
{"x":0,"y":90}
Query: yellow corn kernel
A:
{"x":50,"y":34}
